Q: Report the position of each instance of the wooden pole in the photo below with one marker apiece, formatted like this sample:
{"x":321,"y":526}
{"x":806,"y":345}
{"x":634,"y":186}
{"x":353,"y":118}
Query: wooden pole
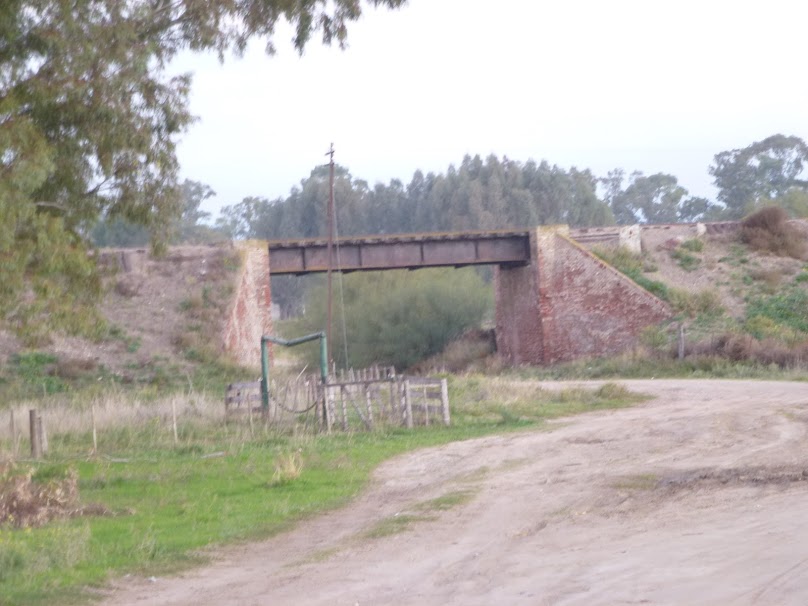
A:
{"x":174,"y":418}
{"x":344,"y":405}
{"x":444,"y":401}
{"x":43,"y":433}
{"x":330,"y":211}
{"x":329,"y":407}
{"x":426,"y":408}
{"x":407,"y":405}
{"x":369,"y":404}
{"x":36,"y":444}
{"x":681,"y":340}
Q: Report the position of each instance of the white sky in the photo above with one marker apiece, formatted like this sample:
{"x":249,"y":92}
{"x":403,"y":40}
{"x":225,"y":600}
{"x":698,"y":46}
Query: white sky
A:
{"x":641,"y":85}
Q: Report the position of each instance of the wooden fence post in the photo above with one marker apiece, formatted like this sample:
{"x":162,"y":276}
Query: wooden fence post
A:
{"x":36,"y":435}
{"x":328,"y":419}
{"x":43,"y":433}
{"x":407,"y":404}
{"x":444,"y":401}
{"x":681,"y":340}
{"x":344,"y":404}
{"x":174,"y":418}
{"x":369,"y":403}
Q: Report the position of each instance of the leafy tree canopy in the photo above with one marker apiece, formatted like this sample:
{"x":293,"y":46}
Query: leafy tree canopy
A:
{"x":397,"y":317}
{"x":654,"y":198}
{"x":766,"y":170}
{"x":89,"y":120}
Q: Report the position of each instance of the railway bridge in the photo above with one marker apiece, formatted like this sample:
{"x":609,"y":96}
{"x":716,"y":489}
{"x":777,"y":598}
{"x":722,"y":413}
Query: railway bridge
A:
{"x":555,"y":301}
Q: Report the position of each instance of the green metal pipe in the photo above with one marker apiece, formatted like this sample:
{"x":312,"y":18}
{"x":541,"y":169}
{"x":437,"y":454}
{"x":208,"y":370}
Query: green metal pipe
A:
{"x":289,"y":343}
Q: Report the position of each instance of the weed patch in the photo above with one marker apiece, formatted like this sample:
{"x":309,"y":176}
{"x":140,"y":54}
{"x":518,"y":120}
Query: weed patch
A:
{"x":768,"y":230}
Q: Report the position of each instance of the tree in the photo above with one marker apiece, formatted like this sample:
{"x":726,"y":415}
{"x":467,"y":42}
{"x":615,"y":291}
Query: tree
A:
{"x":765,"y":170}
{"x":188,"y":228}
{"x":654,"y":198}
{"x":89,"y":120}
{"x":398,"y":317}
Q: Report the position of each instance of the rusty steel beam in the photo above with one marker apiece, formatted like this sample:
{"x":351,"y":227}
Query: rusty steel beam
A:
{"x":404,"y":251}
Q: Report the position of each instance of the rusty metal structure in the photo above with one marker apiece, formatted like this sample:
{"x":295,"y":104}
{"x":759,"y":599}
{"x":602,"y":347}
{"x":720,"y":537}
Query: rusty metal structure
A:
{"x":402,"y":251}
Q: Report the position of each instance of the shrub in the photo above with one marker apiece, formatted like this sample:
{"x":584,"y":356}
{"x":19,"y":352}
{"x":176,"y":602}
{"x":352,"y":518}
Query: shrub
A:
{"x":685,"y":260}
{"x":633,"y":266}
{"x":768,"y":230}
{"x":694,"y":304}
{"x":397,"y":317}
{"x":693,"y":245}
{"x":789,"y":309}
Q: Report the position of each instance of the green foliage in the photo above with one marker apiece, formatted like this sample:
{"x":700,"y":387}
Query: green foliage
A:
{"x":397,"y":317}
{"x":685,"y":260}
{"x":36,"y":371}
{"x":90,"y":120}
{"x":763,"y":327}
{"x":479,"y":194}
{"x":633,"y":266}
{"x":693,"y":245}
{"x":765,"y":170}
{"x":654,"y":198}
{"x":693,"y":304}
{"x":789,"y":308}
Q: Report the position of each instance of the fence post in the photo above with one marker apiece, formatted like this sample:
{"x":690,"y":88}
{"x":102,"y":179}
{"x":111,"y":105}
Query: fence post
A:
{"x":174,"y":418}
{"x":344,"y":405}
{"x":35,"y":429}
{"x":328,"y":402}
{"x":407,"y":404}
{"x":681,"y":340}
{"x":43,"y":433}
{"x":426,"y":408}
{"x":444,"y":401}
{"x":369,"y":403}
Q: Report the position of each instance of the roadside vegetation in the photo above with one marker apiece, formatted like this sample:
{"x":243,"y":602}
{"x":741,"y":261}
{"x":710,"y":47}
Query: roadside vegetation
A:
{"x":143,"y":504}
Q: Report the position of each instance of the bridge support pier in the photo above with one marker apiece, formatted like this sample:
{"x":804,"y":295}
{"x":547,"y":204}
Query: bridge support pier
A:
{"x":567,"y":304}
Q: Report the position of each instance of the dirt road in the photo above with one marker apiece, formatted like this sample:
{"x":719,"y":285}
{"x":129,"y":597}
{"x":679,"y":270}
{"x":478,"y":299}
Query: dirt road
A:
{"x":697,"y":497}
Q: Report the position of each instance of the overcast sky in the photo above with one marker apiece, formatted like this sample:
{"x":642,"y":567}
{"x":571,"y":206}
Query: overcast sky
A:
{"x":641,"y":85}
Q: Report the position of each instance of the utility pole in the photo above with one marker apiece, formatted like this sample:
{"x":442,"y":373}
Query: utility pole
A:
{"x":330,"y":211}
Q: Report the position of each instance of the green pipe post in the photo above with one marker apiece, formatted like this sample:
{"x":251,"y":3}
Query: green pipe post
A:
{"x":289,"y":343}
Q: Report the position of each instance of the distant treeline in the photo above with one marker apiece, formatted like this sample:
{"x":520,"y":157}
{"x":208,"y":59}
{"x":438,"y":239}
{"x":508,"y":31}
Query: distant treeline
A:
{"x":501,"y":193}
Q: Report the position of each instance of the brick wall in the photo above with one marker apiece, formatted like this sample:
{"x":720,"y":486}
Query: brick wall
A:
{"x":249,"y":317}
{"x":568,"y":304}
{"x":588,"y":307}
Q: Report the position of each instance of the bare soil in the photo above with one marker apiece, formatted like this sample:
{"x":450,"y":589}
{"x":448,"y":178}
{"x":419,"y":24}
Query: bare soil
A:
{"x":696,"y":497}
{"x":724,"y":266}
{"x":151,"y":306}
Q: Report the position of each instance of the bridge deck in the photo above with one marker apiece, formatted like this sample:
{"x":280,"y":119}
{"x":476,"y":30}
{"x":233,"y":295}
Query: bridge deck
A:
{"x":401,"y":251}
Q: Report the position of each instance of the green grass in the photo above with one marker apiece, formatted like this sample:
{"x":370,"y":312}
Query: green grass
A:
{"x":633,"y":266}
{"x":685,"y":259}
{"x":36,"y":375}
{"x":788,"y":308}
{"x":173,"y":502}
{"x":393,"y":525}
{"x":446,"y":501}
{"x":650,"y":366}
